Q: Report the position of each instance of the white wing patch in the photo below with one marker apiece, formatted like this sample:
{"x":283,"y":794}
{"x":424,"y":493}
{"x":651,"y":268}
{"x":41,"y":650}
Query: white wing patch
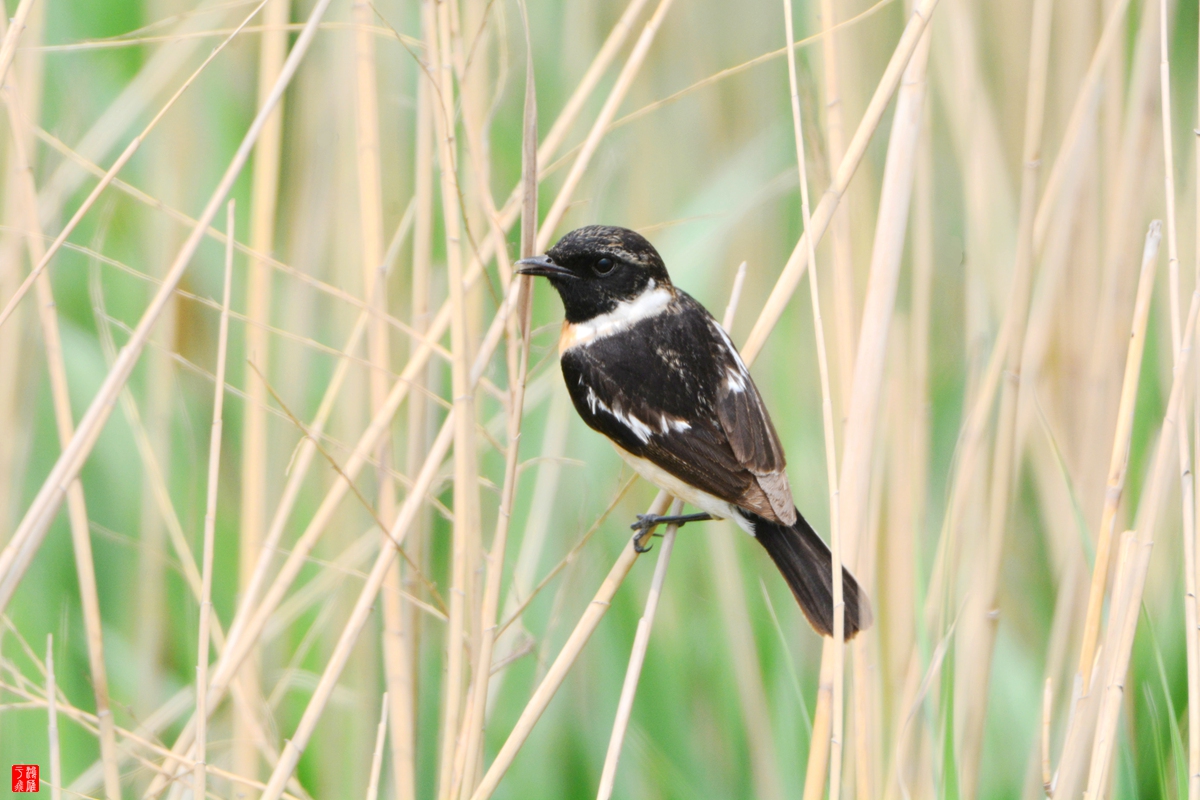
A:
{"x":736,"y":379}
{"x":651,"y":301}
{"x":639,"y":428}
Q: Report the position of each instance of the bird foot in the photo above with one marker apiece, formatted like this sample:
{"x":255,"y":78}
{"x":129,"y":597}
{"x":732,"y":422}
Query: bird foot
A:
{"x":646,"y":523}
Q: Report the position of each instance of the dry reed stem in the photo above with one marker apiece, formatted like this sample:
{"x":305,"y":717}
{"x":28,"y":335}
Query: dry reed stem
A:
{"x":77,"y":514}
{"x":1081,"y":111}
{"x":264,"y":190}
{"x":637,"y":657}
{"x":158,"y":486}
{"x":8,"y":48}
{"x":843,"y":257}
{"x":518,"y":364}
{"x":362,"y":609}
{"x":150,"y":728}
{"x":416,"y":363}
{"x":377,"y":757}
{"x":738,"y":624}
{"x":764,"y":774}
{"x":1123,"y":622}
{"x":407,"y":513}
{"x":153,"y":76}
{"x":798,"y":261}
{"x":866,"y":394}
{"x":87,"y":721}
{"x":562,"y":663}
{"x":1047,"y":715}
{"x":624,"y":80}
{"x":591,"y":618}
{"x":396,"y":656}
{"x":1187,"y":484}
{"x":1118,"y":462}
{"x":1006,"y":458}
{"x":831,"y":470}
{"x":52,"y":713}
{"x":107,"y":178}
{"x":402,"y":685}
{"x":28,"y":536}
{"x":465,"y":494}
{"x":210,"y":517}
{"x":257,"y":615}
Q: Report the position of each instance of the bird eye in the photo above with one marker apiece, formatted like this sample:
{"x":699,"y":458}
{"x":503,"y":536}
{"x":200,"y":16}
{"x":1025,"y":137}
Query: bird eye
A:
{"x":603,"y":266}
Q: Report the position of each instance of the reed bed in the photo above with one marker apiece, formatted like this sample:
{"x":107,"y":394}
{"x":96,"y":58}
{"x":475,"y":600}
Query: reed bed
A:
{"x":345,"y":536}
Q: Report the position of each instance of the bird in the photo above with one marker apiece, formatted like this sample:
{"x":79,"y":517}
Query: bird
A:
{"x":649,"y":367}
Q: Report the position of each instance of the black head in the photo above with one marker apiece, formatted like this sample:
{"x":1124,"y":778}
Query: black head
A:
{"x":597,"y":267}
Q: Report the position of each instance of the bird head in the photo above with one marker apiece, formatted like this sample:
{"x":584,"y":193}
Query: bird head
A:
{"x":595,"y":269}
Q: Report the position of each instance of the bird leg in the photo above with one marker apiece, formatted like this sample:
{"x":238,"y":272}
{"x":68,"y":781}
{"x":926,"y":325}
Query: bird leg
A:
{"x":646,"y":523}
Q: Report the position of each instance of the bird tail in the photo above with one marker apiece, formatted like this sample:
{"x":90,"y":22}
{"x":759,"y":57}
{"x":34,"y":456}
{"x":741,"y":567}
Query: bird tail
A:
{"x":807,"y":566}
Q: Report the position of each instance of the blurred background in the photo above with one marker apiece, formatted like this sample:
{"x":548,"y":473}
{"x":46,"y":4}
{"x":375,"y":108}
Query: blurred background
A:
{"x":978,"y":287}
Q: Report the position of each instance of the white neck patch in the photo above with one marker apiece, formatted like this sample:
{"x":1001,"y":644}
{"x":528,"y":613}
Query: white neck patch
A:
{"x":652,"y":300}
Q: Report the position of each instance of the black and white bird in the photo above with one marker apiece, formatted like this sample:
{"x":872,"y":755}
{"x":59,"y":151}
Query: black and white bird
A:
{"x":649,"y":367}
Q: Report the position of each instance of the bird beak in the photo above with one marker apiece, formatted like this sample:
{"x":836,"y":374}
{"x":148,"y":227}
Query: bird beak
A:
{"x":544,"y":266}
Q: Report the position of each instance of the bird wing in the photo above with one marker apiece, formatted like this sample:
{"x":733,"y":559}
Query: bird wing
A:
{"x":659,"y":391}
{"x":749,"y":429}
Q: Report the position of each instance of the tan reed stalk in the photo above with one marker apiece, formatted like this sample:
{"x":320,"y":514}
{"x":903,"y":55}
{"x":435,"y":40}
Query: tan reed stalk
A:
{"x":191,"y":572}
{"x":563,"y":662}
{"x":843,"y":257}
{"x":466,"y":499}
{"x":518,"y":364}
{"x":295,"y":746}
{"x":1005,"y":457}
{"x":30,"y":532}
{"x":402,"y":633}
{"x":1187,"y":484}
{"x":77,"y":514}
{"x":765,"y":775}
{"x":8,"y":48}
{"x":1118,"y":463}
{"x":257,"y":616}
{"x":835,"y":539}
{"x":1081,"y":112}
{"x":416,"y":497}
{"x":210,"y":518}
{"x":291,"y":568}
{"x":738,"y":624}
{"x":150,"y":728}
{"x":107,"y":179}
{"x":52,"y":726}
{"x":798,"y":261}
{"x":87,"y":721}
{"x":130,"y":105}
{"x":1123,"y":624}
{"x":637,"y":657}
{"x":397,"y":660}
{"x":868,"y":370}
{"x":607,"y":112}
{"x":1073,"y":758}
{"x":591,"y":618}
{"x":377,"y":757}
{"x":264,"y":191}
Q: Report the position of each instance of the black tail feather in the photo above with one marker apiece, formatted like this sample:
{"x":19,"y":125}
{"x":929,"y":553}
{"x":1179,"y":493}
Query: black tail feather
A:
{"x":807,"y":566}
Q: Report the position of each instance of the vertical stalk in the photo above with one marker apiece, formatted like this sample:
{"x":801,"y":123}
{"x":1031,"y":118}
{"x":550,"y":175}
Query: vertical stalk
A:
{"x":210,"y":518}
{"x":1005,"y":457}
{"x":465,"y":501}
{"x":52,"y":727}
{"x":263,"y":201}
{"x":835,"y":539}
{"x":76,"y":504}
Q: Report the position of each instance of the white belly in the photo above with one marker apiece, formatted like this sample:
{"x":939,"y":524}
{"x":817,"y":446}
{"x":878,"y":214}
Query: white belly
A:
{"x":704,"y":501}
